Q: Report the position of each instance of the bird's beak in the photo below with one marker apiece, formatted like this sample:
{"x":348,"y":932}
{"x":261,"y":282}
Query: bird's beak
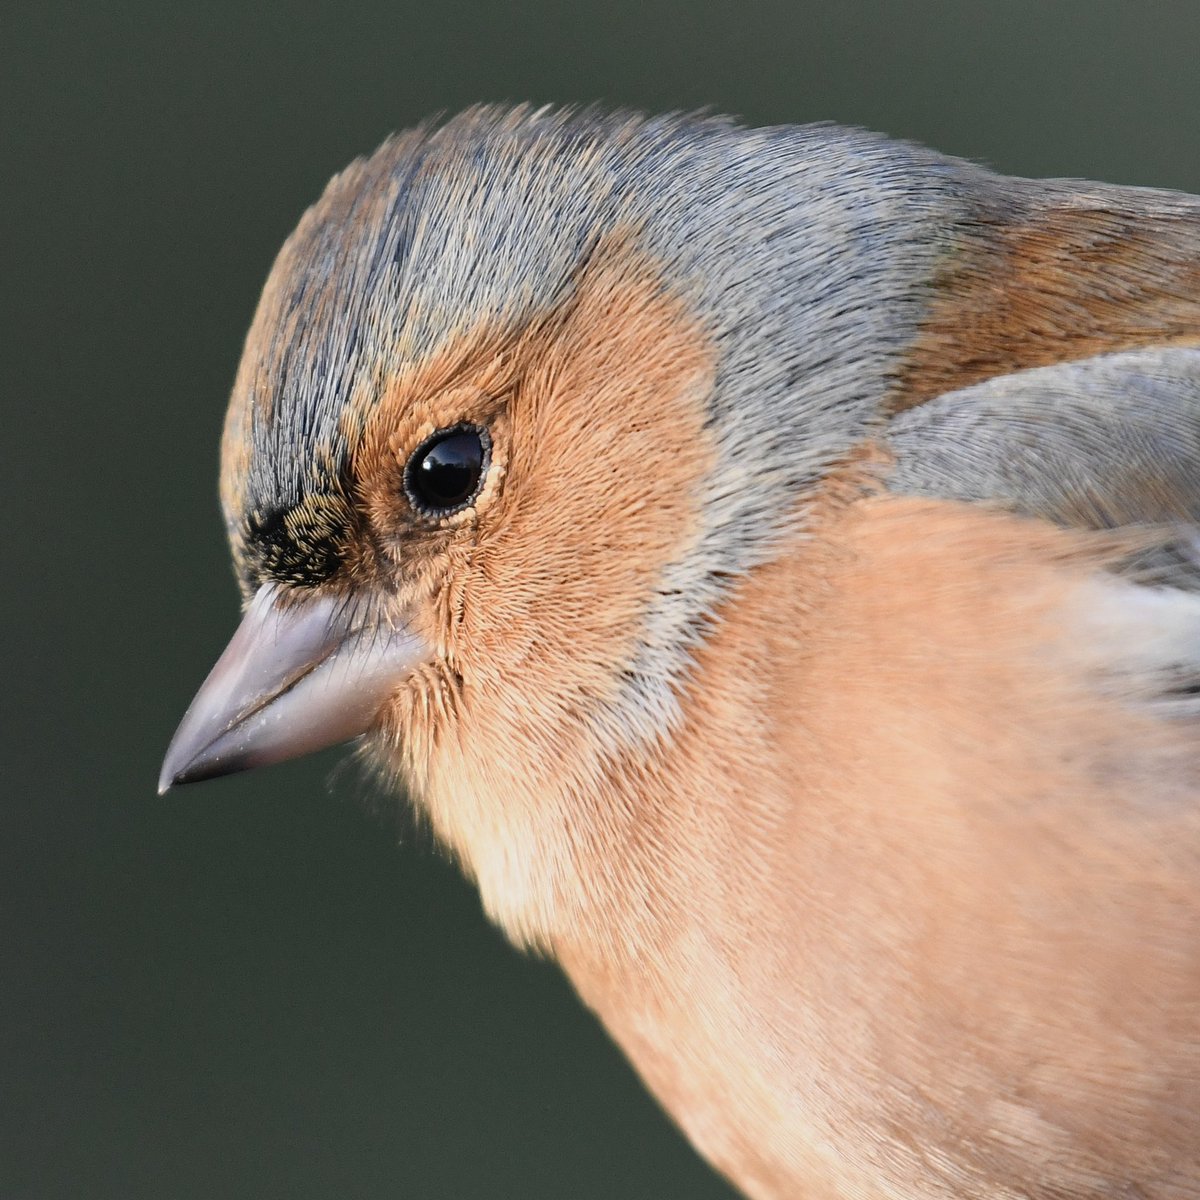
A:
{"x":296,"y":677}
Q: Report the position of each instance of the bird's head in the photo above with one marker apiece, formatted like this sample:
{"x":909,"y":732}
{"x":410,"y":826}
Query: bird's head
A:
{"x":524,"y":397}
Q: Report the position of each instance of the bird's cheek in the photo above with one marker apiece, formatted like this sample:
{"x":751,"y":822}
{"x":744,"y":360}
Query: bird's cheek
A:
{"x":414,"y":723}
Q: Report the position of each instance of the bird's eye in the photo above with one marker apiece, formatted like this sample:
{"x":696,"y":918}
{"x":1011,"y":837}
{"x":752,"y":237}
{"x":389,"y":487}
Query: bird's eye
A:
{"x":446,"y":470}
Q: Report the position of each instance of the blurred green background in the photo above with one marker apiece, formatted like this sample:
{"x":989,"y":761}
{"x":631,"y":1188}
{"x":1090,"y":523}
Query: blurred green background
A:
{"x":271,"y":986}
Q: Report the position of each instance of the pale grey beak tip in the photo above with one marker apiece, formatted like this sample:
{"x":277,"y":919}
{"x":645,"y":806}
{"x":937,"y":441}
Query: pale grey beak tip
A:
{"x":176,"y":771}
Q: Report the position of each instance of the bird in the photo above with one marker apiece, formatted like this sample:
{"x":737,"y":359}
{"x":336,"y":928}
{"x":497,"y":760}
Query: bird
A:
{"x":769,"y":560}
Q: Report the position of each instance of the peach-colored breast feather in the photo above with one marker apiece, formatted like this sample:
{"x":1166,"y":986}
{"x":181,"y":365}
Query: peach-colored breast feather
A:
{"x":954,"y":954}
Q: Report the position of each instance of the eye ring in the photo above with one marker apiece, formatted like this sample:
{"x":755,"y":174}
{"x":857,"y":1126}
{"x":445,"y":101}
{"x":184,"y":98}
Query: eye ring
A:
{"x":446,"y":472}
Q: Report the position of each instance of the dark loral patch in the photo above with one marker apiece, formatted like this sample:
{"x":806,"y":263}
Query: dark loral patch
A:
{"x":303,"y":545}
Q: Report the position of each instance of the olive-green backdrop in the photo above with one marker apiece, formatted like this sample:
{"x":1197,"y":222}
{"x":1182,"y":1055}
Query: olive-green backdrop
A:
{"x":270,"y":986}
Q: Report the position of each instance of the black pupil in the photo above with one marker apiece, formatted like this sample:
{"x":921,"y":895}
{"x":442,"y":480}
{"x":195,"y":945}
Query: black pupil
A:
{"x":446,"y":472}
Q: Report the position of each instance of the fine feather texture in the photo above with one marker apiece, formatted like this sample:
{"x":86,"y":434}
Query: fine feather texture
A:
{"x":814,"y":674}
{"x":1104,"y":443}
{"x":1100,"y":443}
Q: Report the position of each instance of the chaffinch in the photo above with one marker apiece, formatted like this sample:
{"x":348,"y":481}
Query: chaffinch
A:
{"x":769,"y":559}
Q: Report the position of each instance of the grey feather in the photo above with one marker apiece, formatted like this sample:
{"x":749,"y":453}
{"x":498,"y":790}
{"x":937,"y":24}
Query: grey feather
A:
{"x":1103,"y":442}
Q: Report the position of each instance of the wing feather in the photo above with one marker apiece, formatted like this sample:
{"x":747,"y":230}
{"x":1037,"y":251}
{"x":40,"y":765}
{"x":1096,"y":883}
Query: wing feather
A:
{"x":1099,"y":443}
{"x":1105,"y":443}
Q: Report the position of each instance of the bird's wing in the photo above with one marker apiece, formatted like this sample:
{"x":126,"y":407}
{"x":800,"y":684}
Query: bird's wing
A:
{"x":1105,"y":443}
{"x":998,"y":746}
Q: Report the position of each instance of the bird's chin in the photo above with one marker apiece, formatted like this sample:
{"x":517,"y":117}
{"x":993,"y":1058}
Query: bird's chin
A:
{"x":299,"y":674}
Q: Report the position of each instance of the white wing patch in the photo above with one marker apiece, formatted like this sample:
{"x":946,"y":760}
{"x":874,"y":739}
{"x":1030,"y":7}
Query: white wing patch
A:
{"x":1145,"y":641}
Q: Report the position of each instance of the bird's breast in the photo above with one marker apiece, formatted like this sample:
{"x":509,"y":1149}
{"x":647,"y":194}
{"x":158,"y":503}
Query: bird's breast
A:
{"x":913,"y":896}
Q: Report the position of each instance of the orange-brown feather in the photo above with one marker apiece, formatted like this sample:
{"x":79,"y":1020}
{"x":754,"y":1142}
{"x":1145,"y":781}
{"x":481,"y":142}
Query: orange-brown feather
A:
{"x":1038,"y":283}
